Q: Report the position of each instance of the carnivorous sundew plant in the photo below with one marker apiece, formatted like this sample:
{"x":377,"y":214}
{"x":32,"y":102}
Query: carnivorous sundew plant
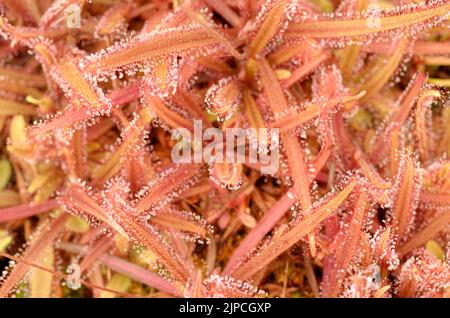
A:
{"x":224,"y":148}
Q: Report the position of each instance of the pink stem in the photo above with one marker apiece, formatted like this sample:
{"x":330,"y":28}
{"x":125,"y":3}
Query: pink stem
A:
{"x":304,"y":70}
{"x":124,"y":267}
{"x":264,"y":226}
{"x":225,"y":11}
{"x":125,"y":94}
{"x":26,"y":210}
{"x":138,"y":273}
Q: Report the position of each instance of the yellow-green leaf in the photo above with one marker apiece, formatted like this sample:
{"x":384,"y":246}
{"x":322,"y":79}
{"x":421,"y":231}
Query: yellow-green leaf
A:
{"x":5,"y":239}
{"x":41,"y":281}
{"x":434,"y":248}
{"x":142,"y":256}
{"x":119,"y":283}
{"x":17,"y":131}
{"x":5,"y":173}
{"x":77,"y":224}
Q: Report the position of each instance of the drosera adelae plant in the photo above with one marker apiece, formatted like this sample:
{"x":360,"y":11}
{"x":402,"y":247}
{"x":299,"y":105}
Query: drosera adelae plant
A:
{"x":357,"y":90}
